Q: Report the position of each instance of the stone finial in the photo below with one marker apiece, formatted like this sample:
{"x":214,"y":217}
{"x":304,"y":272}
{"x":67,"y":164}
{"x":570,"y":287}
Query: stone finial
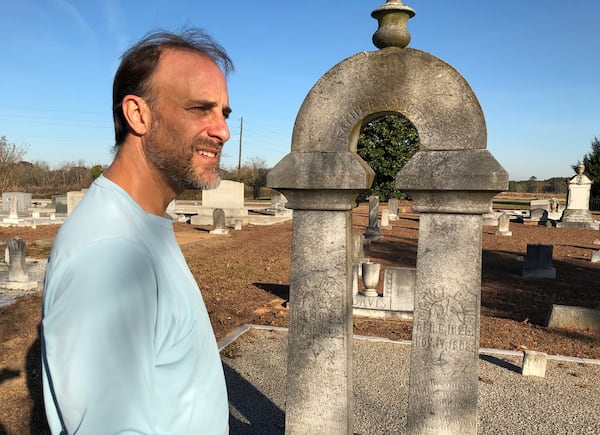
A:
{"x":392,"y":18}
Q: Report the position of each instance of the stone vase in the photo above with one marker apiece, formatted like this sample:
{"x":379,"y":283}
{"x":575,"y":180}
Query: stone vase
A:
{"x":370,"y":277}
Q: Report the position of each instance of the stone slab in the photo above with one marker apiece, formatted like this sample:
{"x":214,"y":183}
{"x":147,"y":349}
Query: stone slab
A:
{"x":229,"y":194}
{"x":571,"y":317}
{"x":534,"y":363}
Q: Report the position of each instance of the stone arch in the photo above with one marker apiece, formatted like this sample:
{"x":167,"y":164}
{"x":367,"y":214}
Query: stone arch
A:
{"x":423,"y":88}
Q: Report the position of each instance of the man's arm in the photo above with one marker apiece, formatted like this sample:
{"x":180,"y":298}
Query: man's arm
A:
{"x":98,"y":325}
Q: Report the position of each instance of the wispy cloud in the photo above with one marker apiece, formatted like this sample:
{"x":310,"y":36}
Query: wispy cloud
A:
{"x":115,"y":23}
{"x":76,"y":17}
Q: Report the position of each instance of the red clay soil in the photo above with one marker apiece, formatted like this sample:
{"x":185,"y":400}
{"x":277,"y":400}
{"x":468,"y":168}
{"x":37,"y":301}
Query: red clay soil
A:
{"x":244,"y":278}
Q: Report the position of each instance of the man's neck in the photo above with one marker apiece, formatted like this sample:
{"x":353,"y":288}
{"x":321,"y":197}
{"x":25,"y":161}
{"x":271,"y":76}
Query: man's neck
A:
{"x":140,"y":179}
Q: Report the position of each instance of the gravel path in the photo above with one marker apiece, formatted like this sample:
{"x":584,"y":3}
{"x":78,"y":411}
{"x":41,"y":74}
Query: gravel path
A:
{"x":567,"y":400}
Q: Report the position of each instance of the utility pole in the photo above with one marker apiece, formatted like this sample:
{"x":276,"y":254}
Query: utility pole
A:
{"x":240,"y":154}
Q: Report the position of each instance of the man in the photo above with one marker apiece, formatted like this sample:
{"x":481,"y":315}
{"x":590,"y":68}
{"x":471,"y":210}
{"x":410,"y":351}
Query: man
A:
{"x":127,"y":342}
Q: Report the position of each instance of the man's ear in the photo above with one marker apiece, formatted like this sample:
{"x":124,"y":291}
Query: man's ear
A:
{"x":137,"y":113}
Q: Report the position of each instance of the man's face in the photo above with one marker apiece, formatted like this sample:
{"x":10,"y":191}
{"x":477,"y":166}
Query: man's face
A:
{"x":189,"y":116}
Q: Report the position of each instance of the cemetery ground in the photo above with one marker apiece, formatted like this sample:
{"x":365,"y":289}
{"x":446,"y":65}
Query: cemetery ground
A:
{"x":244,"y":279}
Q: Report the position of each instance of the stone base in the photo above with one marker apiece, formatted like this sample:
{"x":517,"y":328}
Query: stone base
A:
{"x":569,"y":317}
{"x":576,"y":215}
{"x":534,"y":363}
{"x":14,"y":285}
{"x":592,"y":225}
{"x":503,"y":233}
{"x":12,"y":220}
{"x":373,"y":233}
{"x":219,"y":231}
{"x":547,"y":273}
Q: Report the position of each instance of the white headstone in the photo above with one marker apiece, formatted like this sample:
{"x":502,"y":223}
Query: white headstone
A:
{"x":73,"y":199}
{"x":534,"y":363}
{"x":229,"y":194}
{"x":504,"y":225}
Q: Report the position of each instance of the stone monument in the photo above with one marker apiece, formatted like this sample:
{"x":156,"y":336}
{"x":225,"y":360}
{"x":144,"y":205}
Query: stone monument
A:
{"x":452,"y":180}
{"x":577,"y":214}
{"x":228,"y":196}
{"x":373,"y":232}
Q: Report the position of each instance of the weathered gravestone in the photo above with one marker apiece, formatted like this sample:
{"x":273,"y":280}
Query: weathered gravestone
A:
{"x":23,"y":201}
{"x":577,"y":214}
{"x":219,"y":226}
{"x":17,"y":269}
{"x":452,"y":180}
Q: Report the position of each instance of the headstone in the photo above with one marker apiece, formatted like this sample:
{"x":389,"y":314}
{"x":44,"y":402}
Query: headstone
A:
{"x":238,"y":225}
{"x":595,"y":256}
{"x":538,"y":262}
{"x":397,"y":300}
{"x":534,"y":363}
{"x":358,"y":243}
{"x":452,"y":180}
{"x":373,"y":232}
{"x":219,"y":226}
{"x":59,"y":202}
{"x":12,"y":207}
{"x":23,"y":201}
{"x":399,"y":285}
{"x":577,"y":214}
{"x":538,"y":215}
{"x":17,"y":269}
{"x":73,"y":199}
{"x":393,"y":208}
{"x":543,"y":204}
{"x":385,"y":219}
{"x":569,"y":317}
{"x":504,"y":225}
{"x":229,"y":194}
{"x":13,"y":215}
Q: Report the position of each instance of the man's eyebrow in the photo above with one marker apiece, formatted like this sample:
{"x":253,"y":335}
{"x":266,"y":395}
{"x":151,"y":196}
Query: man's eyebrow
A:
{"x":207,"y":104}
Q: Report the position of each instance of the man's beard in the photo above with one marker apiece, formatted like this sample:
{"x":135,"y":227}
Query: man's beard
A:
{"x":175,"y":159}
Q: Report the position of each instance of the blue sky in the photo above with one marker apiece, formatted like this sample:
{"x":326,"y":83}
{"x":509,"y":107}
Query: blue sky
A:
{"x":534,"y":65}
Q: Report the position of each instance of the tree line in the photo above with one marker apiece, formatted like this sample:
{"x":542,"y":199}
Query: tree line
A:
{"x":385,"y":143}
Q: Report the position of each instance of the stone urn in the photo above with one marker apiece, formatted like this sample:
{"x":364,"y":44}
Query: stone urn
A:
{"x":370,"y":277}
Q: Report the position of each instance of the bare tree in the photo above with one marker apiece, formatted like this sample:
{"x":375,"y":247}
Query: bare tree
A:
{"x":10,"y":157}
{"x":254,"y":174}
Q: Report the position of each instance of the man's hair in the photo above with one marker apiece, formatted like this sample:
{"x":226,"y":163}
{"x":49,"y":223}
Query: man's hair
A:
{"x":140,"y":61}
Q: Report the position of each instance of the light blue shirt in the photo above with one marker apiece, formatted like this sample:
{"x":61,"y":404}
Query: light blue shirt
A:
{"x":127,"y":343}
